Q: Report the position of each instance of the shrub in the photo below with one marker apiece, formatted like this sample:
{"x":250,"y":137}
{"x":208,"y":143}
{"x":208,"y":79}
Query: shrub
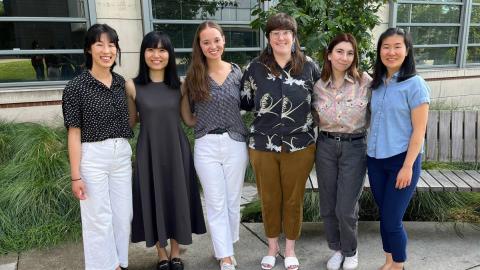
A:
{"x":37,"y":207}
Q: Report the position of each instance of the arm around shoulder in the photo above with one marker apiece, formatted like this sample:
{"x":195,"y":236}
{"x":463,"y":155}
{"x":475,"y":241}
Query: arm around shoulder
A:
{"x":185,"y":108}
{"x":132,"y":107}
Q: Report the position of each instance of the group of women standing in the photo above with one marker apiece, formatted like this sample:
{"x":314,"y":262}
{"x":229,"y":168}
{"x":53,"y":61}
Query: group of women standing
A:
{"x":288,"y":94}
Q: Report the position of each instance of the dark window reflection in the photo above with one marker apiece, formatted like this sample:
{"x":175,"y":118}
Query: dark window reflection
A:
{"x":42,"y":8}
{"x":239,"y":58}
{"x":427,"y":35}
{"x":48,"y":35}
{"x":421,"y":13}
{"x":236,"y":36}
{"x":39,"y":67}
{"x":475,"y":17}
{"x":435,"y":56}
{"x":473,"y":55}
{"x":238,"y":10}
{"x":474,"y":35}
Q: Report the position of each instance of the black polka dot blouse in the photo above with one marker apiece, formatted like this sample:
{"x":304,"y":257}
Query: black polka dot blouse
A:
{"x":100,"y":112}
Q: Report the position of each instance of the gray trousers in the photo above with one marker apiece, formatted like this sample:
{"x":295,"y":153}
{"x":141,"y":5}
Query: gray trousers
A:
{"x":341,"y":168}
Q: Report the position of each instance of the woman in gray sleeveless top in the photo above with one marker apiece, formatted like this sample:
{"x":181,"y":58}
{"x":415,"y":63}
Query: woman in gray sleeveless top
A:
{"x":166,"y":201}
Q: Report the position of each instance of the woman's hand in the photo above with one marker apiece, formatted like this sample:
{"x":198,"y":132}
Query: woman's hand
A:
{"x":404,"y":177}
{"x":78,"y":189}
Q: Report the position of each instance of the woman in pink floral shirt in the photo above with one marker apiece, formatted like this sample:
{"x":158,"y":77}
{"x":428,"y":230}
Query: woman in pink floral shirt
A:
{"x":340,"y":100}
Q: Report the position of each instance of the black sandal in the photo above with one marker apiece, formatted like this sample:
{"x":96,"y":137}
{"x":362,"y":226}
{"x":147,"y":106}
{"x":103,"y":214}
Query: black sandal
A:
{"x":176,"y":264}
{"x":163,"y":265}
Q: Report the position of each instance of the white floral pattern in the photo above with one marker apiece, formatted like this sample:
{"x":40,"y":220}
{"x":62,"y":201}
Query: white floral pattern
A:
{"x":282,"y":106}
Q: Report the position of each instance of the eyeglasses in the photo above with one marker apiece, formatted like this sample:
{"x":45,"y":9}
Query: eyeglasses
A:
{"x":281,"y":33}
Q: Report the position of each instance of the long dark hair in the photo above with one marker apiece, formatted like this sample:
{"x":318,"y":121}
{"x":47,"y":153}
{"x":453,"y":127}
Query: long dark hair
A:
{"x":285,"y":22}
{"x":327,"y":64}
{"x":93,"y":35}
{"x":157,"y":39}
{"x":196,"y":82}
{"x":407,"y":69}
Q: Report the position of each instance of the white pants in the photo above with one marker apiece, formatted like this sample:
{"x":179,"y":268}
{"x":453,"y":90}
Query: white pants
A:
{"x":106,"y":169}
{"x":220,"y":163}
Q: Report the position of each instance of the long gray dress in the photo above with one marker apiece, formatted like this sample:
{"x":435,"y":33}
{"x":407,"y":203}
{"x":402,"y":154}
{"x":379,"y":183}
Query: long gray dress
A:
{"x":166,"y":200}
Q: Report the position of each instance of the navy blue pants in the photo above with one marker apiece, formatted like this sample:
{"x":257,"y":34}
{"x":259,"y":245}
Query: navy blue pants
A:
{"x":392,"y":202}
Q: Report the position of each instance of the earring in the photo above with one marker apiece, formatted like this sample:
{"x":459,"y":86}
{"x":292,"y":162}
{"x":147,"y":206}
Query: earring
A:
{"x":269,"y":49}
{"x":294,"y":48}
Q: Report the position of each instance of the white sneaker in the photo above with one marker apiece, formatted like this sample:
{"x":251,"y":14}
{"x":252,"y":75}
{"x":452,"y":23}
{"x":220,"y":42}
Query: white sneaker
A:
{"x":335,"y":262}
{"x":351,"y":263}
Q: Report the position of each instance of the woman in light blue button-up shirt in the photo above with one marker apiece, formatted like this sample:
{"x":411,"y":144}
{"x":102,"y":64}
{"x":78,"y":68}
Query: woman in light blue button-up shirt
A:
{"x":399,"y":106}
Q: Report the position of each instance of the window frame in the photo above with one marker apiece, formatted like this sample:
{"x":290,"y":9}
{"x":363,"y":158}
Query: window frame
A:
{"x":464,"y":28}
{"x":149,"y":21}
{"x":90,"y":18}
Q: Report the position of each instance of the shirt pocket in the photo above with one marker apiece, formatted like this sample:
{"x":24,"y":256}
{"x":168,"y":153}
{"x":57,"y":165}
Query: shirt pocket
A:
{"x":357,"y":103}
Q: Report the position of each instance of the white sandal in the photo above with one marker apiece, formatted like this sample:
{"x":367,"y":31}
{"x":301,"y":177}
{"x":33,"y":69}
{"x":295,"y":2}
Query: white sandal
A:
{"x":268,"y":260}
{"x":291,"y":263}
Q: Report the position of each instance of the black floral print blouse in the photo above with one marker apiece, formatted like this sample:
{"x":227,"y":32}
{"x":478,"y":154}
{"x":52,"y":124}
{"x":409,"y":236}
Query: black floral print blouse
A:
{"x":282,"y":106}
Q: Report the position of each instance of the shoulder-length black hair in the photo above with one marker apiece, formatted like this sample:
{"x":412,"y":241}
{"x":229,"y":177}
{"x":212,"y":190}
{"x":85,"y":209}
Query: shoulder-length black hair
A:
{"x":157,"y":39}
{"x":93,"y":35}
{"x":407,"y":69}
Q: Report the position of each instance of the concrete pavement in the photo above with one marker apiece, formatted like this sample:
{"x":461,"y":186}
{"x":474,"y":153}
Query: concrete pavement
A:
{"x":432,"y":246}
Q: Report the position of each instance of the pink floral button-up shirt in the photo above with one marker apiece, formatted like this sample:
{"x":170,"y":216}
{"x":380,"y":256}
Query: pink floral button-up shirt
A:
{"x":343,"y":110}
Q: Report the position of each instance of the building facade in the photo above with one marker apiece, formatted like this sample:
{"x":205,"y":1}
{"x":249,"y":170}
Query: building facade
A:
{"x":41,"y":46}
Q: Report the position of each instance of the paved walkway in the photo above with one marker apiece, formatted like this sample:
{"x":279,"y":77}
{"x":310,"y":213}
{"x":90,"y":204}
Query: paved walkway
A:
{"x":432,"y":246}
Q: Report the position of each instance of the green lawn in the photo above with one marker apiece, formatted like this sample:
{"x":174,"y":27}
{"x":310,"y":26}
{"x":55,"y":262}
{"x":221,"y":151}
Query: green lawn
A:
{"x":17,"y":71}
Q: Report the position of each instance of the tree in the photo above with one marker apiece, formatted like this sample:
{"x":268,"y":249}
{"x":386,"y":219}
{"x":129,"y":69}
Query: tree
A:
{"x":321,"y":20}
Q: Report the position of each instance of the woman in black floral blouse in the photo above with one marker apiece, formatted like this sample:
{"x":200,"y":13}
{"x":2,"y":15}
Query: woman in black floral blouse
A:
{"x":278,"y":86}
{"x":96,"y":116}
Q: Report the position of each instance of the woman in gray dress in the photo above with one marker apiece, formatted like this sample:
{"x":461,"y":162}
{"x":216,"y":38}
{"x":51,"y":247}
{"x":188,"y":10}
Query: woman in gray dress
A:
{"x":166,"y":201}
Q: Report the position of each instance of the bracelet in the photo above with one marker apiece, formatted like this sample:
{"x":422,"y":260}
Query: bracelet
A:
{"x":76,"y":179}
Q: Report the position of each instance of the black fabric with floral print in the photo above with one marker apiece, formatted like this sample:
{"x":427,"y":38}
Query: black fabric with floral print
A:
{"x":282,"y":106}
{"x":99,"y":111}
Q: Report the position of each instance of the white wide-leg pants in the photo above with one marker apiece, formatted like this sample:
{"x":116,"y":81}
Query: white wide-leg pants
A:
{"x":106,"y":169}
{"x":220,"y":163}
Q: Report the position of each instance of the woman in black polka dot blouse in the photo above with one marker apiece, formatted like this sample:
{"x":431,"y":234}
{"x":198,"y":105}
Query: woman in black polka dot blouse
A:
{"x":96,"y":116}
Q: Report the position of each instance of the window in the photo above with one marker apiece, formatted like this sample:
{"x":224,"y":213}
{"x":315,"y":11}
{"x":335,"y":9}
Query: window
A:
{"x":473,"y":48}
{"x":443,"y":32}
{"x":42,"y":41}
{"x":180,"y":23}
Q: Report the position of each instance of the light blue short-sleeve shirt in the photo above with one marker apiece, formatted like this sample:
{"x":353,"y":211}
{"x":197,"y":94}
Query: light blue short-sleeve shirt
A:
{"x":391,"y":122}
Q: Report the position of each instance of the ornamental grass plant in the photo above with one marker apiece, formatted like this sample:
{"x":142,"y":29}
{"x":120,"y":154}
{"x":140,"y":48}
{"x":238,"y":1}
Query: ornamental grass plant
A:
{"x":37,"y":208}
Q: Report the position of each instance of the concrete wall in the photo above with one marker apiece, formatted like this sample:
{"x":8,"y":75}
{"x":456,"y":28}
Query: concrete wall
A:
{"x":125,"y":16}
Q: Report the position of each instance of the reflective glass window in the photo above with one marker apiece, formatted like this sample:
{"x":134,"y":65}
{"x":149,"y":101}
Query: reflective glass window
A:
{"x":474,"y":35}
{"x":42,"y":35}
{"x":238,"y":10}
{"x":235,"y":35}
{"x":42,"y":8}
{"x":424,"y":35}
{"x":40,"y":67}
{"x":435,"y":56}
{"x":473,"y":55}
{"x":417,"y":13}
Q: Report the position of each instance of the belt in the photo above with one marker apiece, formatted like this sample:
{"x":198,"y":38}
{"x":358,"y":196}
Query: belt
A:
{"x":342,"y":137}
{"x":217,"y":131}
